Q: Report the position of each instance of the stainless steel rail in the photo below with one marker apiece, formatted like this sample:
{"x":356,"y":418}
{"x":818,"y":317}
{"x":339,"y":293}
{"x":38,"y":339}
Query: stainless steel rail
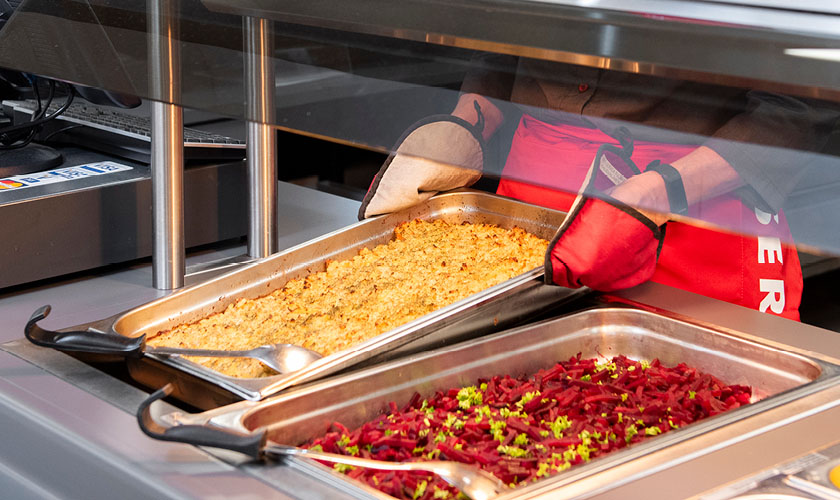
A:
{"x":168,"y":255}
{"x":262,"y":138}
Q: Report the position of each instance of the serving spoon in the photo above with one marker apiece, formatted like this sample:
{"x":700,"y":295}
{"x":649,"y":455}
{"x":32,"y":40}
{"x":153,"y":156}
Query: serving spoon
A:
{"x":282,"y":358}
{"x":470,"y":480}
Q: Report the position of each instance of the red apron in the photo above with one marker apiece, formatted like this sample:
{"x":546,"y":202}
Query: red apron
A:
{"x":755,"y":270}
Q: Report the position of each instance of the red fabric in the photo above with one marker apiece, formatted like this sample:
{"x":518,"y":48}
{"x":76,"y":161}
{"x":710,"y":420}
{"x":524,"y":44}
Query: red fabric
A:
{"x":548,"y":163}
{"x":604,"y":248}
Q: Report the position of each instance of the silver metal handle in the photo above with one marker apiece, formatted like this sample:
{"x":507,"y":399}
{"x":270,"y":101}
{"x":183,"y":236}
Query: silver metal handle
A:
{"x":473,"y":482}
{"x":277,"y":449}
{"x":811,"y":488}
{"x":176,"y":351}
{"x":443,"y":469}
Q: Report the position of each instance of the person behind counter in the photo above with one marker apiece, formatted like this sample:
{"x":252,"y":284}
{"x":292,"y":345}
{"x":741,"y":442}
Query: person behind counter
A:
{"x":722,"y":155}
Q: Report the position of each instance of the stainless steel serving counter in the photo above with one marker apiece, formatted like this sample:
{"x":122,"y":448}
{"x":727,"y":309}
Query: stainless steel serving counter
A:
{"x":69,"y":430}
{"x":74,"y":435}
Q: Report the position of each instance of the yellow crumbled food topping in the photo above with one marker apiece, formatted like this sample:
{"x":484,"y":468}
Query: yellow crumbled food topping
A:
{"x":427,"y":265}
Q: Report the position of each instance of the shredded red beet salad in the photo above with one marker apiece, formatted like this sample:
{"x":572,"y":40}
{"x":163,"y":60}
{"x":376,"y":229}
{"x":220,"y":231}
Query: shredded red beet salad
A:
{"x":522,"y":429}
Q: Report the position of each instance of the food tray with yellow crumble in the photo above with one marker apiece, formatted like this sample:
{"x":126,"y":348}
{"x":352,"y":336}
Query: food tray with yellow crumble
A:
{"x":428,"y":265}
{"x":375,"y":290}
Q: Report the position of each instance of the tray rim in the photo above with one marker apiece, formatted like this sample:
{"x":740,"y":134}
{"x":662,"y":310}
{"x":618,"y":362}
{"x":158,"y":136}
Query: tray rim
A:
{"x":827,"y":368}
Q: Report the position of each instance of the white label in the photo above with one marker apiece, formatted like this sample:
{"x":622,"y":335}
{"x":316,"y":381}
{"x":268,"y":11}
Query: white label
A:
{"x":60,"y":175}
{"x":611,"y":172}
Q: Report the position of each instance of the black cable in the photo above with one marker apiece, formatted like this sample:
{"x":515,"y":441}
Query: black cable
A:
{"x":18,"y":140}
{"x":18,"y":143}
{"x":41,"y":111}
{"x":37,"y":92}
{"x":48,"y":137}
{"x":11,"y":138}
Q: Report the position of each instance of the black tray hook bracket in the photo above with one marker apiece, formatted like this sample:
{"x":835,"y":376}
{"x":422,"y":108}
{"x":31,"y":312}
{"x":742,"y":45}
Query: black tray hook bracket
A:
{"x":198,"y":435}
{"x":80,"y":340}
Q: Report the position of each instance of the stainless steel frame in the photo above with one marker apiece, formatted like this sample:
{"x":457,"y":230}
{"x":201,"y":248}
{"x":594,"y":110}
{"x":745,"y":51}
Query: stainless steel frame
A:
{"x":778,"y":377}
{"x":65,"y":412}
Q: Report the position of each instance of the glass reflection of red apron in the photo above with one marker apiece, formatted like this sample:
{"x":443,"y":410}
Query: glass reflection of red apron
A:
{"x":547,"y":164}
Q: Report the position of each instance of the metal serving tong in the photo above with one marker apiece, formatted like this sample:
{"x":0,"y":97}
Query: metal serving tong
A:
{"x":282,"y":358}
{"x":471,"y":481}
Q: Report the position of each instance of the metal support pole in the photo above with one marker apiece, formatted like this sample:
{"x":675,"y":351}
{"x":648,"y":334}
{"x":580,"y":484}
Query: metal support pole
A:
{"x":168,"y":257}
{"x":262,"y":139}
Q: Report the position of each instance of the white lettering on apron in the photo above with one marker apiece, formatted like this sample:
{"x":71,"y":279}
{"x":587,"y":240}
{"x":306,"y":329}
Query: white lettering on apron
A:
{"x":775,"y":299}
{"x":769,"y":249}
{"x":764,"y":217}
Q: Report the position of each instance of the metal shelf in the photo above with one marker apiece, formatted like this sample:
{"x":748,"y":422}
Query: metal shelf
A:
{"x":743,"y":45}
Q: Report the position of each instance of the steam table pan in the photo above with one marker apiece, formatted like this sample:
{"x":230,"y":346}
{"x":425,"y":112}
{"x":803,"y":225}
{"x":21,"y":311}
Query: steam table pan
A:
{"x":777,"y":376}
{"x":490,"y":310}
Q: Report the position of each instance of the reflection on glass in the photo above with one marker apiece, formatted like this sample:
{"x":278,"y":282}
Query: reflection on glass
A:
{"x":743,"y":172}
{"x":726,"y":157}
